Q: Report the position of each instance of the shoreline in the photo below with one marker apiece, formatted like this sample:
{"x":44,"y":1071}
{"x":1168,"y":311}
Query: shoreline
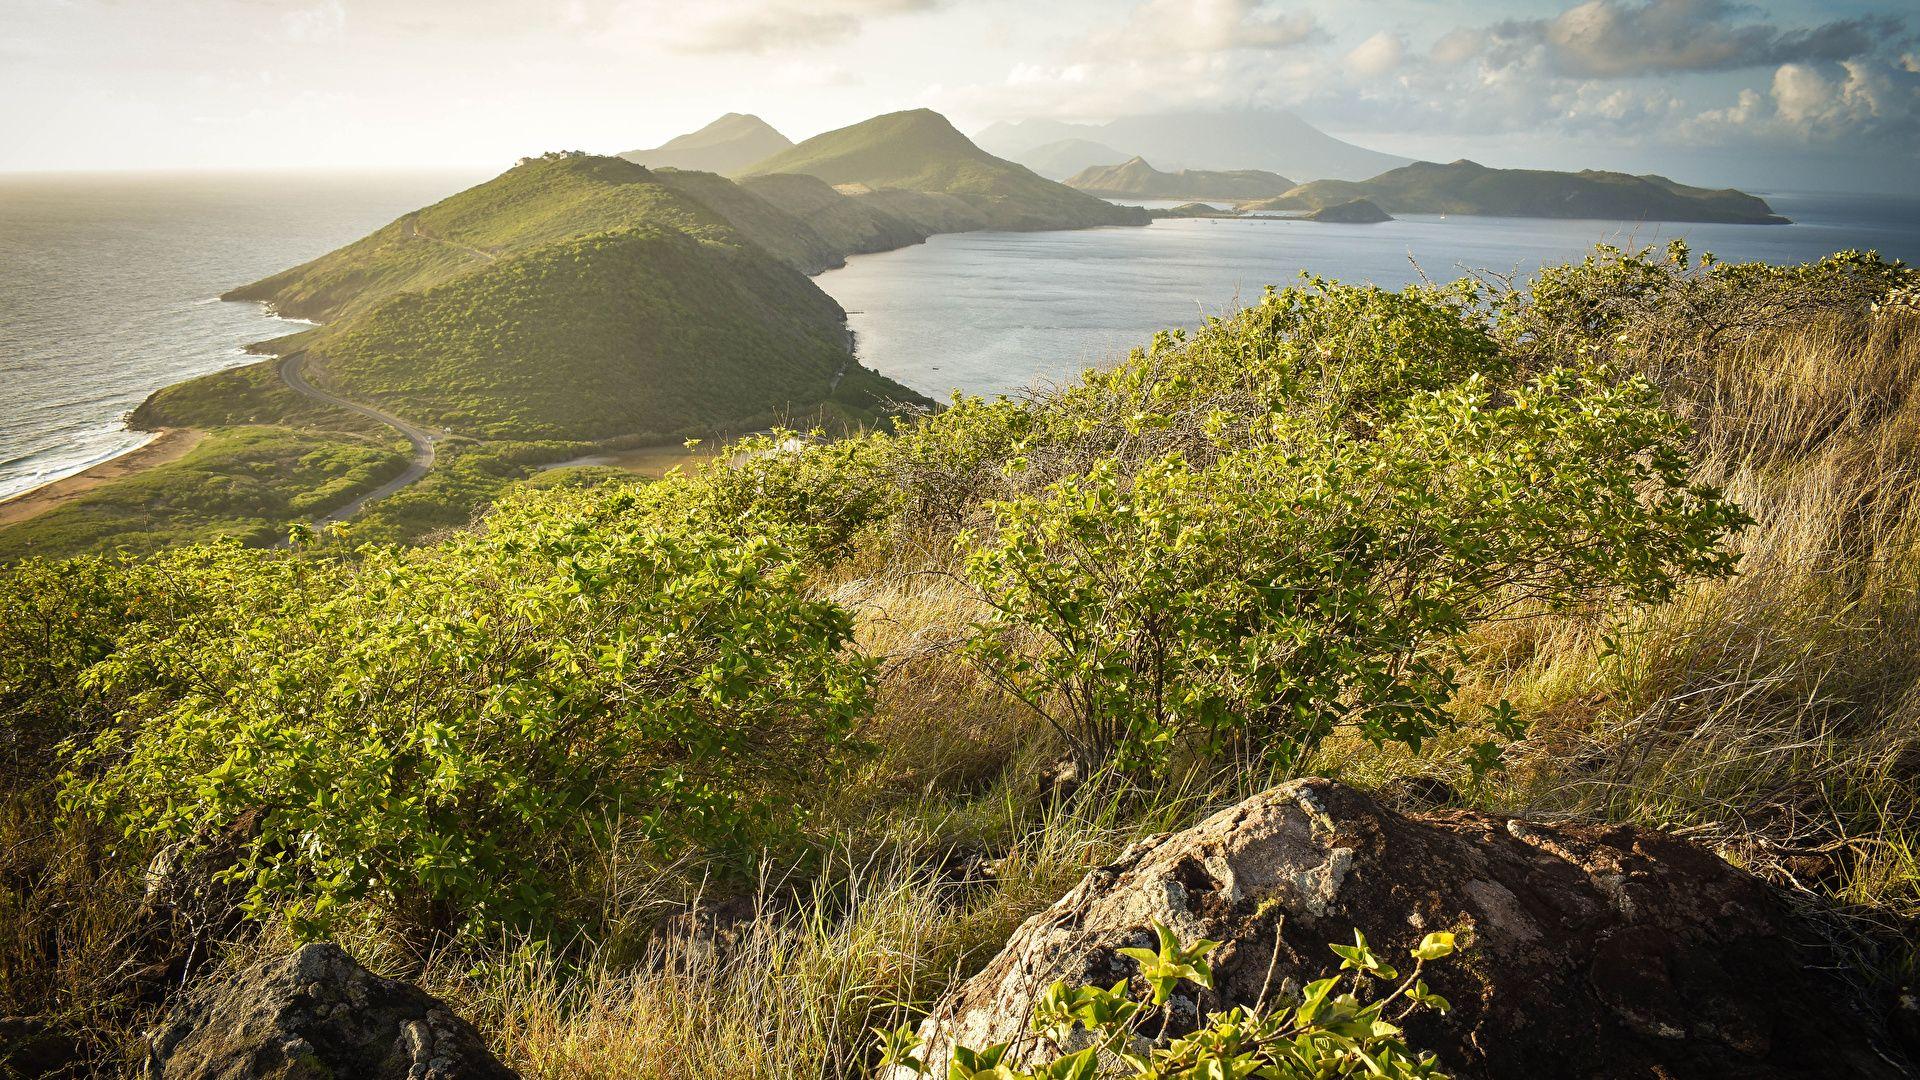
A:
{"x":170,"y":445}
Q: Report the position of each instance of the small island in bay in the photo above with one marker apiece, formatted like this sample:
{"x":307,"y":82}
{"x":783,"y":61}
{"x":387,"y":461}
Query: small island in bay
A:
{"x":1355,"y":212}
{"x":1467,"y":187}
{"x":1136,"y":179}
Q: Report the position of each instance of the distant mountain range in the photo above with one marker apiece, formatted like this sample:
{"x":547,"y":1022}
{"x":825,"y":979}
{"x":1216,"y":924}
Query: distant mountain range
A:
{"x":1467,"y":187}
{"x":725,"y":146}
{"x":918,"y":151}
{"x":1269,"y":139}
{"x":1134,"y":178}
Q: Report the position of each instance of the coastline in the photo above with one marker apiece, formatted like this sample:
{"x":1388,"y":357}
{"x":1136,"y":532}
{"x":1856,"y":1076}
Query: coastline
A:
{"x":170,"y":445}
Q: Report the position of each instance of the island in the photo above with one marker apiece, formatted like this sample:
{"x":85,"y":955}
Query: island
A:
{"x":1356,"y":212}
{"x":1136,"y":179}
{"x":1467,"y":187}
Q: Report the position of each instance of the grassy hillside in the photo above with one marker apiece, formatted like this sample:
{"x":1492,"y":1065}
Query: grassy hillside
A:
{"x":540,"y":201}
{"x":628,"y":332}
{"x":784,"y":235}
{"x":850,"y":225}
{"x":243,"y":483}
{"x":1466,"y":187}
{"x":1137,"y":179}
{"x":727,"y":145}
{"x":918,"y":150}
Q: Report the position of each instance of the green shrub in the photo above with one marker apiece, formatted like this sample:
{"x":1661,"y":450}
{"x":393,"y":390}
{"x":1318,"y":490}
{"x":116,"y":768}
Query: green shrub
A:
{"x":446,"y":731}
{"x":1309,"y":576}
{"x":1322,"y":1034}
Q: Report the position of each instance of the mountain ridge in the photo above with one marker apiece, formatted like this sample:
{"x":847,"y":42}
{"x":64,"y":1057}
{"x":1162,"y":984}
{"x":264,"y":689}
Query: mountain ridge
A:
{"x":918,"y":150}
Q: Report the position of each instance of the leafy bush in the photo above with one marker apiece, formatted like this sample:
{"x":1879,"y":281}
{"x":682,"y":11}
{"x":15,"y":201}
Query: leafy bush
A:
{"x":1308,"y":576}
{"x":1324,"y":1033}
{"x":446,"y":731}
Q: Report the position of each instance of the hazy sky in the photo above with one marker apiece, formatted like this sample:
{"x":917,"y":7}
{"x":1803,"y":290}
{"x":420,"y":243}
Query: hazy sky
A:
{"x":1782,"y":93}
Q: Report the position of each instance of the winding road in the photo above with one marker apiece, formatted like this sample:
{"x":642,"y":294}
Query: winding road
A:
{"x":421,"y":438}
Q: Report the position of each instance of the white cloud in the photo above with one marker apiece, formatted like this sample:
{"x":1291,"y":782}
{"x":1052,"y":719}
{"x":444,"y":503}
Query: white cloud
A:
{"x":1163,"y":27}
{"x":761,"y":26}
{"x":317,"y":23}
{"x":1378,"y":55}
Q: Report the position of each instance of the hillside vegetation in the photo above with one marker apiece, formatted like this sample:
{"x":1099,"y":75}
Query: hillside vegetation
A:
{"x":540,"y":201}
{"x":727,"y":145}
{"x":631,"y":332}
{"x":1136,"y":178}
{"x":1466,"y":187}
{"x":920,"y":151}
{"x":707,"y":777}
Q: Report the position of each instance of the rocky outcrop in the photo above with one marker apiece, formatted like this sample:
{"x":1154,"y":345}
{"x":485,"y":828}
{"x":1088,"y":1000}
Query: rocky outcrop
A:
{"x":1593,"y":951}
{"x":316,"y":1013}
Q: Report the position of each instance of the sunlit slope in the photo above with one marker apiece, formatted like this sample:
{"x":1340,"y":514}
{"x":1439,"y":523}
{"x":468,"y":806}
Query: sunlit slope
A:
{"x":919,"y":151}
{"x":727,"y":145}
{"x":537,"y":202}
{"x":640,"y":331}
{"x":1466,"y":187}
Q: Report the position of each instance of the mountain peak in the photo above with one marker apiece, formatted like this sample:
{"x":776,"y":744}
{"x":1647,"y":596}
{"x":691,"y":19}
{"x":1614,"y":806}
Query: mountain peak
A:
{"x":728,"y":144}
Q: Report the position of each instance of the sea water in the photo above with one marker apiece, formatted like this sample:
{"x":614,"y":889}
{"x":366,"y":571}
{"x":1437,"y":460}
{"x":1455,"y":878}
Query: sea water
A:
{"x":999,"y":312}
{"x":108,"y":285}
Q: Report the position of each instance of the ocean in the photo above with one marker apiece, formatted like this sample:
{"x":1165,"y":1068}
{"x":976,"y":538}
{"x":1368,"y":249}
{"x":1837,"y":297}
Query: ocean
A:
{"x":1000,"y":312}
{"x":108,"y":286}
{"x":108,"y":283}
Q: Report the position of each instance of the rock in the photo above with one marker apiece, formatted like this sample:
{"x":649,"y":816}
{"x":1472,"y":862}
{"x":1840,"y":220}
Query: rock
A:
{"x":1593,"y":951}
{"x":316,"y":1013}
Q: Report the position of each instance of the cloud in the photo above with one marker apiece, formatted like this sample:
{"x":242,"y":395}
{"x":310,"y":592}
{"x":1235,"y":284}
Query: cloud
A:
{"x":1195,"y":27}
{"x":762,"y":26}
{"x":317,"y":23}
{"x":1619,"y":38}
{"x":1378,"y":55}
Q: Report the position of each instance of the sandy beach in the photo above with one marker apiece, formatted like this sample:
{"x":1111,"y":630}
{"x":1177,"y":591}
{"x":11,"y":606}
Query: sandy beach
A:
{"x":172,"y":444}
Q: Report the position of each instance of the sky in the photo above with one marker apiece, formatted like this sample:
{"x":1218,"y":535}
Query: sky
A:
{"x":1781,"y":94}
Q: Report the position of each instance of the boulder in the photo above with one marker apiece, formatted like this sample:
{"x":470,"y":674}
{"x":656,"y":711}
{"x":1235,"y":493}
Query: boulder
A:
{"x":316,"y":1013}
{"x":1592,"y":951}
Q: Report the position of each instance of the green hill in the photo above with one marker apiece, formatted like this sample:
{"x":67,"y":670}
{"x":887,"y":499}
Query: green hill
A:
{"x":1466,"y":187}
{"x":919,"y":151}
{"x":1136,"y":179}
{"x":641,"y":330}
{"x":727,"y":145}
{"x":850,"y":225}
{"x":539,"y":201}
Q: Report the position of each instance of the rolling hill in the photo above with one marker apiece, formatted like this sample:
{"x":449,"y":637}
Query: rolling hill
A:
{"x":639,"y":330}
{"x":919,"y":151}
{"x":727,"y":145}
{"x":539,"y":201}
{"x":1269,"y":139}
{"x":583,"y":297}
{"x":1135,"y":178}
{"x":1466,"y":187}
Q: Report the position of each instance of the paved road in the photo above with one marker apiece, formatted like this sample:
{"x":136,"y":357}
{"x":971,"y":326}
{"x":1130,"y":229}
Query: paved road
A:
{"x":421,"y":438}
